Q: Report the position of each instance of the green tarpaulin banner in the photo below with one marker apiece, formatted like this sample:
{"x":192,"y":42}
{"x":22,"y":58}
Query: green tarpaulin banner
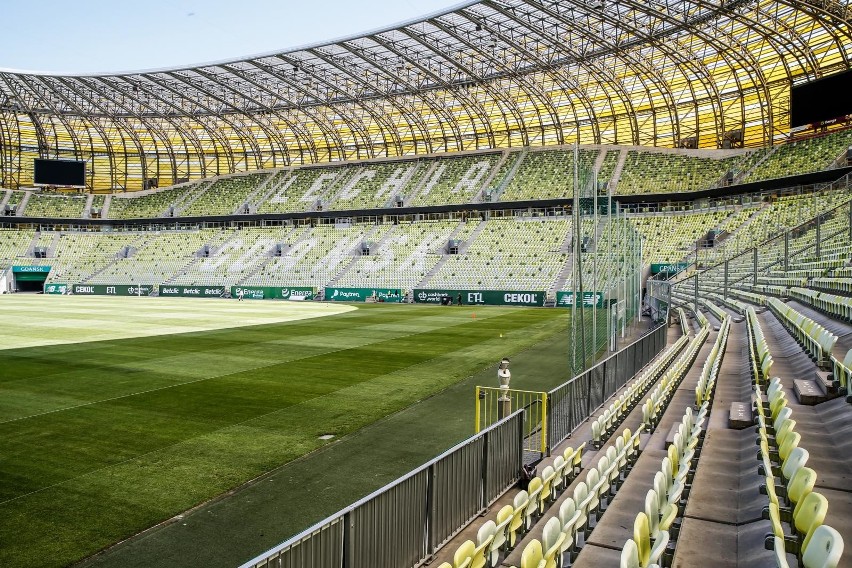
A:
{"x":361,"y":294}
{"x":55,"y":288}
{"x":293,"y":293}
{"x":193,"y":291}
{"x":565,"y":299}
{"x":481,"y":297}
{"x":112,"y":289}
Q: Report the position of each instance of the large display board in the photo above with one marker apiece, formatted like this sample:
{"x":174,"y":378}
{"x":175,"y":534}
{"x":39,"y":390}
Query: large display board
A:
{"x":64,"y":173}
{"x":820,"y":100}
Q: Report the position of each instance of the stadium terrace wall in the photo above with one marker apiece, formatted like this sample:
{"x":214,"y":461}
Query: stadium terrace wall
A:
{"x":564,"y":204}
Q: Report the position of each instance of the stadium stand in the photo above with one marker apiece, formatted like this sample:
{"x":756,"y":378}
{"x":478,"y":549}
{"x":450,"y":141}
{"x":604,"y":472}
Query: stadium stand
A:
{"x":547,"y":174}
{"x":801,"y":156}
{"x":306,"y":189}
{"x":76,"y":256}
{"x":231,"y":257}
{"x":225,"y":196}
{"x":507,"y":255}
{"x":152,"y":204}
{"x":660,"y":172}
{"x":312,"y":256}
{"x":55,"y":205}
{"x":726,"y":442}
{"x":13,"y":246}
{"x":403,"y":257}
{"x":156,"y":258}
{"x":378,"y":185}
{"x":454,"y":180}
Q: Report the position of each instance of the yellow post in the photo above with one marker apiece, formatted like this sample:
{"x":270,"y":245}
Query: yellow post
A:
{"x":476,"y":412}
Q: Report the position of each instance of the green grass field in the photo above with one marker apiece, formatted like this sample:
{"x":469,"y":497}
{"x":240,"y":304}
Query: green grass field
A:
{"x":101,"y":438}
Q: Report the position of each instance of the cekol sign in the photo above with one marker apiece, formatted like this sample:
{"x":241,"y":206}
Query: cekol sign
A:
{"x":482,"y":297}
{"x":515,"y":298}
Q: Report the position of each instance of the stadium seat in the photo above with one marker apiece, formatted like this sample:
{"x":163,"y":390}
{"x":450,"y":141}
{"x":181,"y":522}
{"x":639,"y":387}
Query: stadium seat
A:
{"x":484,"y":538}
{"x":569,"y":517}
{"x":520,"y":504}
{"x":464,"y":555}
{"x":552,"y":539}
{"x":650,"y":552}
{"x":532,"y":556}
{"x":501,"y":533}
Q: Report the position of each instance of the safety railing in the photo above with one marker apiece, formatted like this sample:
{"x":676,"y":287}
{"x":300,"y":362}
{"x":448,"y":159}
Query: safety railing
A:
{"x":576,"y":400}
{"x":406,"y":521}
{"x":493,"y":403}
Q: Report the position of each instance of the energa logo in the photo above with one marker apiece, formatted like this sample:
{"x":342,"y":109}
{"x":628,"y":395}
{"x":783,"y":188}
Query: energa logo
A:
{"x":285,"y":293}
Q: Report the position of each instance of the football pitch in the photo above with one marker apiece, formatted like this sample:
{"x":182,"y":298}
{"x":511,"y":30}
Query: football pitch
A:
{"x":119,"y":413}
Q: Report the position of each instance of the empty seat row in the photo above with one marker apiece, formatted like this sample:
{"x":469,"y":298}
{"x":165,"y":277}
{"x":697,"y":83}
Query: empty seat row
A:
{"x":497,"y":537}
{"x":751,"y":297}
{"x":831,"y":304}
{"x":654,"y":527}
{"x":608,"y":422}
{"x":761,"y":358}
{"x":718,"y":312}
{"x":836,"y":284}
{"x":665,"y":501}
{"x":792,"y":500}
{"x":735,"y":305}
{"x":813,"y":338}
{"x":710,"y":371}
{"x":657,"y":401}
{"x":578,"y":514}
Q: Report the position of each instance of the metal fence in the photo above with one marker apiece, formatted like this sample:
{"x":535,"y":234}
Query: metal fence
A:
{"x":576,"y":400}
{"x":404,"y":522}
{"x":493,"y":403}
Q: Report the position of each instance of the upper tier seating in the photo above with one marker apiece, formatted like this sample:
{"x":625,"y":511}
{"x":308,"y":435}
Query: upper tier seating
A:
{"x":454,"y":180}
{"x":55,"y":205}
{"x":155,"y":204}
{"x":306,"y":189}
{"x":661,"y":172}
{"x":802,"y":156}
{"x":371,"y":186}
{"x":548,"y":174}
{"x":225,"y":196}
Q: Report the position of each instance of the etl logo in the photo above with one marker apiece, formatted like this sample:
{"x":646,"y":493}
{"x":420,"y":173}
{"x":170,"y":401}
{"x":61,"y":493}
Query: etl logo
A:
{"x":475,"y":298}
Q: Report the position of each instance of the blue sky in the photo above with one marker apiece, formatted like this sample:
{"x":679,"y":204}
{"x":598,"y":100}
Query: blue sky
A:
{"x":117,"y":35}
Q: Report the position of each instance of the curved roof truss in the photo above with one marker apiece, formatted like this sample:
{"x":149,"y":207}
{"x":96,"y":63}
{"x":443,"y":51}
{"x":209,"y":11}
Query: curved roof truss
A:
{"x":485,"y":74}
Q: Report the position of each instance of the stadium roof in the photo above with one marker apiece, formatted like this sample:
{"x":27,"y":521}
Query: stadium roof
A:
{"x":485,"y":74}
